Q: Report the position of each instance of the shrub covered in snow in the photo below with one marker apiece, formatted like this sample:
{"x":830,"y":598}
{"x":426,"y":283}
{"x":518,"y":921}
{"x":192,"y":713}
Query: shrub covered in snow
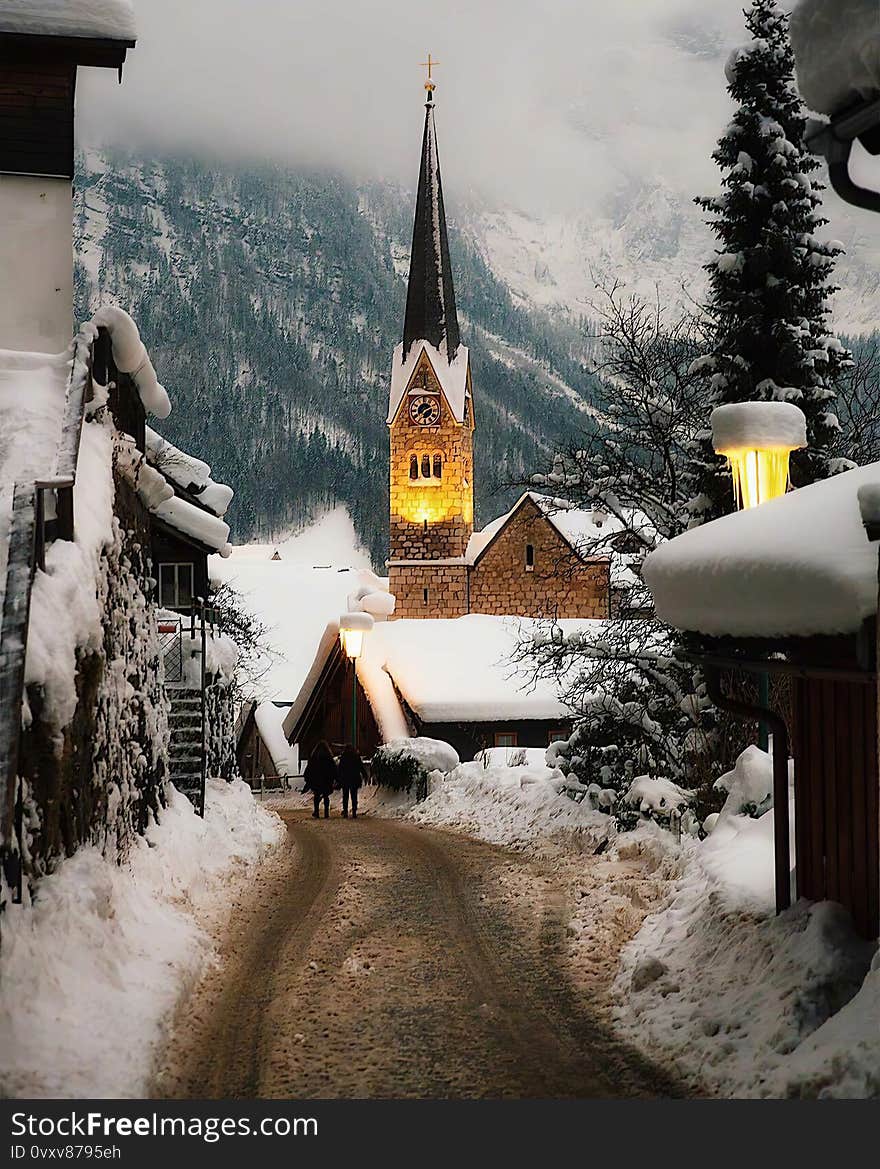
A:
{"x":520,"y":806}
{"x":749,"y":786}
{"x":404,"y":764}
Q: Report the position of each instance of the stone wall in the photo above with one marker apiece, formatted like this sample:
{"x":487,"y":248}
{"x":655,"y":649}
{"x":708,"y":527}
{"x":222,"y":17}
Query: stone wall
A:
{"x":557,"y":583}
{"x":446,"y":586}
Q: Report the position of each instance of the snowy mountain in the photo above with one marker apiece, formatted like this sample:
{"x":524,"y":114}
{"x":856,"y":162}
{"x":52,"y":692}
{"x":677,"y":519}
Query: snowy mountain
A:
{"x":271,"y":302}
{"x":652,"y":238}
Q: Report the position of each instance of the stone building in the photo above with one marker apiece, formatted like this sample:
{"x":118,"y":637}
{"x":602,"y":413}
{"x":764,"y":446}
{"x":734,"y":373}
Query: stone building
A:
{"x":524,"y":563}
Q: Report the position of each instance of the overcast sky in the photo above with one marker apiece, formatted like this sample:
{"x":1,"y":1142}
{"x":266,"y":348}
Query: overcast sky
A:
{"x":541,"y":105}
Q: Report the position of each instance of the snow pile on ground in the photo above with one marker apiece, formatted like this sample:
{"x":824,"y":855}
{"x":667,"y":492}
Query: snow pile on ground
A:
{"x":837,"y":51}
{"x":741,"y":999}
{"x":93,"y":969}
{"x":520,"y":807}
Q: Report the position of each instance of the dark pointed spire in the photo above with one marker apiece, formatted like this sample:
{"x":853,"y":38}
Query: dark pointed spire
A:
{"x":430,"y":298}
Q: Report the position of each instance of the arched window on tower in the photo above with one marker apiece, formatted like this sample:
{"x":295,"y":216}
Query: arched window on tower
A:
{"x":413,"y":467}
{"x":438,"y":466}
{"x":426,"y":466}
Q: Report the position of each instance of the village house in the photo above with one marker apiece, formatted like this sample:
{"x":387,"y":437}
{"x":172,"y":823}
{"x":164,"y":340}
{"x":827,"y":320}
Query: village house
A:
{"x":105,"y":529}
{"x":790,"y":588}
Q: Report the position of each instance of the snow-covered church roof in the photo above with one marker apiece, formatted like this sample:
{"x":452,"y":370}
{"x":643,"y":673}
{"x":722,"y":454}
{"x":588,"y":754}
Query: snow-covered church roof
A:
{"x":797,"y":566}
{"x":101,"y":19}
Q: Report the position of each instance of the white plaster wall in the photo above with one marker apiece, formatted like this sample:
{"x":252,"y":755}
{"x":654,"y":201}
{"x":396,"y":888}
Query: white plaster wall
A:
{"x":36,"y":263}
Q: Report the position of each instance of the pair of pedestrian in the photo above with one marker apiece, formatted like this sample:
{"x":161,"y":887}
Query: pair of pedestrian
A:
{"x":323,"y":774}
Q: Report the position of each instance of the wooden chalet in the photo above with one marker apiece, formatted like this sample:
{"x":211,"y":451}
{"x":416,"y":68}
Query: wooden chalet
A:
{"x":790,"y":589}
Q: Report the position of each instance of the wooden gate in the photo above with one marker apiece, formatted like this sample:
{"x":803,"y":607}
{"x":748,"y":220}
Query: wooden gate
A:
{"x":837,"y":818}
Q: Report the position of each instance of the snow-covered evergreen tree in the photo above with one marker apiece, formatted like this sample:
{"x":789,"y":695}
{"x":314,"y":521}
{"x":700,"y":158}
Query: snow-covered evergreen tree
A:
{"x":769,"y":283}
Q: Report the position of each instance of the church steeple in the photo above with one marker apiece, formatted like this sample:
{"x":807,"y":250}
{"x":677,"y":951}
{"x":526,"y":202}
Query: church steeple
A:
{"x":430,"y":298}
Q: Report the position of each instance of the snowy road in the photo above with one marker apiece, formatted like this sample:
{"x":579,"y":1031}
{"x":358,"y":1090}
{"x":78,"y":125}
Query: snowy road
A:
{"x":383,"y":959}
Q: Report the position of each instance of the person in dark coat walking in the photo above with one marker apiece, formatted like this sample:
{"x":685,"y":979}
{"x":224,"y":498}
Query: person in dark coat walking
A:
{"x":320,"y":777}
{"x":351,"y":772}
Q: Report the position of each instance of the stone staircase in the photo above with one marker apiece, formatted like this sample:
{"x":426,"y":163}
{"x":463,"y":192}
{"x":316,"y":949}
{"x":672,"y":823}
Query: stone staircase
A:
{"x":187,"y":747}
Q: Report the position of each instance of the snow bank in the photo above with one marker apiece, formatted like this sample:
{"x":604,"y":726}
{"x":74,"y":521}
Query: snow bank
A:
{"x":795,"y":566}
{"x":113,"y":19}
{"x":741,"y":999}
{"x":837,"y":52}
{"x":518,"y":807}
{"x":93,"y":970}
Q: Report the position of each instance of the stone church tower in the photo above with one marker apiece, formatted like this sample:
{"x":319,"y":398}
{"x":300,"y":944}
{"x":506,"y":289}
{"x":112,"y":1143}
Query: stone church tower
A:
{"x":430,"y":419}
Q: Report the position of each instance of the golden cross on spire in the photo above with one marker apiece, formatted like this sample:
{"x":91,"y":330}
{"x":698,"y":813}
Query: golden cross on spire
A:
{"x":430,"y":63}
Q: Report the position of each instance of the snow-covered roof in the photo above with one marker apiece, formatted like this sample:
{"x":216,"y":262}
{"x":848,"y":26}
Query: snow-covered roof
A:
{"x":188,"y":472}
{"x":587,"y":530}
{"x":295,"y":597}
{"x":797,"y":566}
{"x":269,"y":716}
{"x":452,"y":670}
{"x":192,"y":521}
{"x":131,"y":357}
{"x":111,"y":19}
{"x":837,"y":51}
{"x":452,"y":376}
{"x":461,"y":669}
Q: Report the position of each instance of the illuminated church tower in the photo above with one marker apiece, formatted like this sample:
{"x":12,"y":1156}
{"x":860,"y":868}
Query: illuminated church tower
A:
{"x":430,"y":419}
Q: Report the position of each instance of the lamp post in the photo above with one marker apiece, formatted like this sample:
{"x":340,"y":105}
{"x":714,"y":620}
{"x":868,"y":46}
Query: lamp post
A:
{"x":352,"y":629}
{"x":757,"y":439}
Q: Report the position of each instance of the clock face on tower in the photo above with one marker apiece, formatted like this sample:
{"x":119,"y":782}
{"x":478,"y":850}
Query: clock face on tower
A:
{"x":425,"y":411}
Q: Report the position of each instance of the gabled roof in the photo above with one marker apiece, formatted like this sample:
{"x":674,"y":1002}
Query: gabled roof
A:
{"x":430,"y":299}
{"x":448,"y":670}
{"x":575,"y":525}
{"x":452,"y":376}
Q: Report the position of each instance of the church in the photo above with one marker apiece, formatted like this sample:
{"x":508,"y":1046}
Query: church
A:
{"x":439,"y":664}
{"x":524,"y":563}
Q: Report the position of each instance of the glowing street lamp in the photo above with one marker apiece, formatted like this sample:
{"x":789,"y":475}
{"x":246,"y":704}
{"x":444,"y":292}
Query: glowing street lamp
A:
{"x":352,"y":629}
{"x":757,"y":439}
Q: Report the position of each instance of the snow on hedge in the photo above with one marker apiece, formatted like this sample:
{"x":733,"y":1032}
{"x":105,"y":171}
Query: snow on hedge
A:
{"x":520,"y":807}
{"x":799,"y":565}
{"x":737,"y":997}
{"x":430,"y":754}
{"x":93,"y":969}
{"x":111,"y":19}
{"x":837,"y":52}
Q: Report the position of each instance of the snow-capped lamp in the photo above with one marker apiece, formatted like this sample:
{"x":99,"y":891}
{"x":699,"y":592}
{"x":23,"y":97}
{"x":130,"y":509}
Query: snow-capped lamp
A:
{"x":352,"y":627}
{"x":757,"y":439}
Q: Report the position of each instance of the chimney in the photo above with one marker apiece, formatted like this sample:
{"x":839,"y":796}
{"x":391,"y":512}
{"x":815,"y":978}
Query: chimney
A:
{"x":42,"y":44}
